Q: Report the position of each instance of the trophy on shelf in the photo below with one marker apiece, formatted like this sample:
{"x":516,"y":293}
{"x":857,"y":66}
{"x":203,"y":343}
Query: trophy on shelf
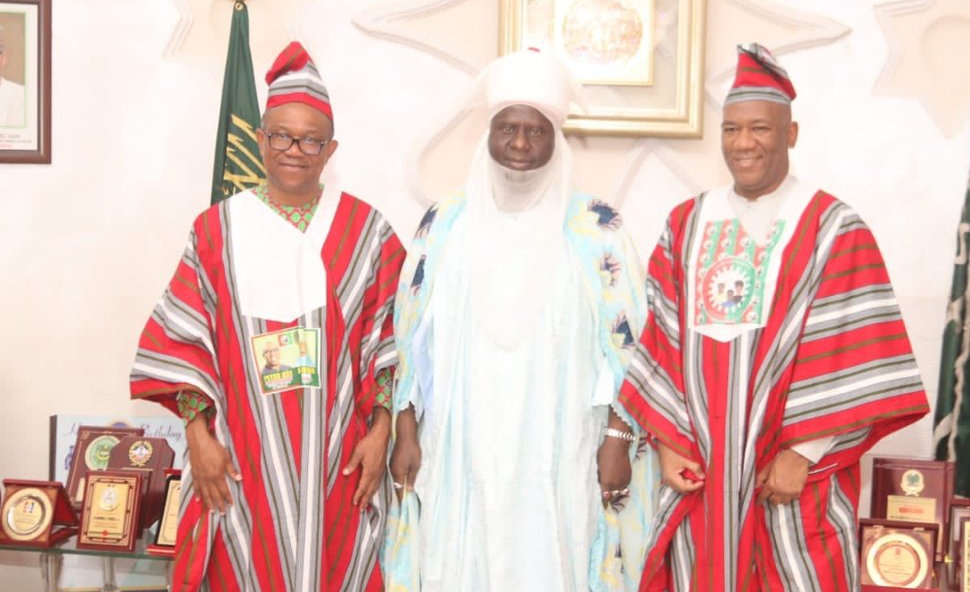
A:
{"x":35,"y":514}
{"x":151,"y":457}
{"x":896,"y":554}
{"x":168,"y":525}
{"x":110,"y":513}
{"x":912,"y":490}
{"x":92,"y":451}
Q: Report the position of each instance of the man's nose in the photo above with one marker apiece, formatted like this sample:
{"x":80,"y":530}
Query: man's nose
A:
{"x":744,"y":139}
{"x":520,"y":141}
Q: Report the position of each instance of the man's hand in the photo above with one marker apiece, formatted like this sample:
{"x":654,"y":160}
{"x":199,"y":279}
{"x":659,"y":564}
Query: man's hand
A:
{"x":783,"y":480}
{"x":370,"y":455}
{"x":211,"y":464}
{"x":406,"y":457}
{"x":613,"y":464}
{"x":680,"y":473}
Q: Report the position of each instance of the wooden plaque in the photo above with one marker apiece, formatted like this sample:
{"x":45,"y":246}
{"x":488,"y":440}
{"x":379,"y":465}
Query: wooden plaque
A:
{"x":152,"y":457}
{"x":961,"y":562}
{"x":959,"y":511}
{"x":92,"y":451}
{"x":109,"y":515}
{"x":913,"y":490}
{"x":165,"y":537}
{"x":896,"y":554}
{"x":35,"y":514}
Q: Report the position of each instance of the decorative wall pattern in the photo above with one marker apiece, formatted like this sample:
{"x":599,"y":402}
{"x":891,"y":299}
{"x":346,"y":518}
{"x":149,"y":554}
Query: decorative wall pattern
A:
{"x":922,"y":64}
{"x":783,"y":29}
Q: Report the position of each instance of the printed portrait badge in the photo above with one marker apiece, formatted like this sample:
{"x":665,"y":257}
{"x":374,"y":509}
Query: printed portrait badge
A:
{"x":287,"y":359}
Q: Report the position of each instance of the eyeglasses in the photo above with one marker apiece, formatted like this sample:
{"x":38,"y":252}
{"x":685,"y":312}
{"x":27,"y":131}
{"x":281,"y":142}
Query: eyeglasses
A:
{"x":282,"y":142}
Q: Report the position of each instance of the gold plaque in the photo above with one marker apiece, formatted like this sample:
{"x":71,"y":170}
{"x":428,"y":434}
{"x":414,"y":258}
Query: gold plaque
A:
{"x":910,"y":509}
{"x":897,"y":554}
{"x":168,"y":527}
{"x":897,"y":559}
{"x":965,"y":558}
{"x":109,"y":516}
{"x":27,"y":514}
{"x":35,"y":514}
{"x":914,"y":490}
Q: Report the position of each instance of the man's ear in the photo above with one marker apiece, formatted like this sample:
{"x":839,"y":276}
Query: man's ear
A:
{"x":331,"y":148}
{"x":792,"y":134}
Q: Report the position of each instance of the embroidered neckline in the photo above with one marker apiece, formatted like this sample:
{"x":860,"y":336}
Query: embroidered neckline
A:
{"x":299,"y":216}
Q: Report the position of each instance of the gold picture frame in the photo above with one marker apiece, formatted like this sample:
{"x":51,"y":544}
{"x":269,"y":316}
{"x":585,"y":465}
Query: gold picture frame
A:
{"x":641,"y":62}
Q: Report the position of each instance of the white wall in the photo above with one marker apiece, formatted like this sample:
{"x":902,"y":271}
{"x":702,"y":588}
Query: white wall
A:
{"x":88,"y":243}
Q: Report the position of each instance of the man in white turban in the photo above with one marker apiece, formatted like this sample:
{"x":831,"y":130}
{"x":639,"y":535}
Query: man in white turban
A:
{"x":516,"y":314}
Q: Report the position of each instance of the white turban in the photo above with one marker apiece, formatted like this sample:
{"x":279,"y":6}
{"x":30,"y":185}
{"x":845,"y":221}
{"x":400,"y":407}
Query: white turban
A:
{"x":534,"y":78}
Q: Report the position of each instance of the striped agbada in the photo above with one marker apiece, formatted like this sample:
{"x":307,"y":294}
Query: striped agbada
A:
{"x":292,"y":526}
{"x":830,"y":359}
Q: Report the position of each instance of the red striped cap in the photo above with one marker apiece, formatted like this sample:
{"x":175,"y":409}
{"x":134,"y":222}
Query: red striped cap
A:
{"x":293,"y":78}
{"x":759,"y":77}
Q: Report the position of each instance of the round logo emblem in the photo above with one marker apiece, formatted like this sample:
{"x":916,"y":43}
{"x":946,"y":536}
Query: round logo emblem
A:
{"x":108,"y":499}
{"x":727,"y":290}
{"x":98,"y":452}
{"x":26,"y":514}
{"x":897,"y":560}
{"x":912,"y":482}
{"x":140,"y":453}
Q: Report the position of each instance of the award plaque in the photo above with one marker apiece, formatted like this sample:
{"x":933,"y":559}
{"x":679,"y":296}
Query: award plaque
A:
{"x":92,"y":451}
{"x":109,"y":515}
{"x":959,"y":512}
{"x":35,"y":514}
{"x":151,"y":457}
{"x":168,"y":525}
{"x":897,"y":554}
{"x":912,"y":490}
{"x":963,"y":562}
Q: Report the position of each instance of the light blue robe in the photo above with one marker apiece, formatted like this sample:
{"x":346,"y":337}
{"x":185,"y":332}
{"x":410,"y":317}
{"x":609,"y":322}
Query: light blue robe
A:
{"x":509,"y":496}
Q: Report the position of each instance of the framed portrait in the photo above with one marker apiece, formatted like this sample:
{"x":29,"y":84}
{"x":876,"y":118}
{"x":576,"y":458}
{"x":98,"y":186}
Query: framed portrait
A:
{"x":25,"y":81}
{"x":641,"y":62}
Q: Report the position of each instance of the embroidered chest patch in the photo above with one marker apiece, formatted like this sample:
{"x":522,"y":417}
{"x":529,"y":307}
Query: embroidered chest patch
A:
{"x":729,"y":274}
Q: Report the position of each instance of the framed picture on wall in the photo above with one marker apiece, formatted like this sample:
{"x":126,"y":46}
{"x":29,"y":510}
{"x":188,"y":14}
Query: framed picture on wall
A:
{"x":641,"y":62}
{"x":25,"y":81}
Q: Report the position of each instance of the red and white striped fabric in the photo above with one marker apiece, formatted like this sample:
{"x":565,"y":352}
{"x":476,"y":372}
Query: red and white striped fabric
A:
{"x":832,"y":359}
{"x":292,"y":526}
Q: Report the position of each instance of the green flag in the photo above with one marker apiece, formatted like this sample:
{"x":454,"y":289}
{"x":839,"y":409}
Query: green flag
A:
{"x":237,"y":163}
{"x":951,"y":424}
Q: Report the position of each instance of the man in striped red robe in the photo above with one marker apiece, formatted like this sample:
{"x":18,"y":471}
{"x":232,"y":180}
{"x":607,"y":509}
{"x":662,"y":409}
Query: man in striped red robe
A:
{"x":274,"y":342}
{"x":773,"y":357}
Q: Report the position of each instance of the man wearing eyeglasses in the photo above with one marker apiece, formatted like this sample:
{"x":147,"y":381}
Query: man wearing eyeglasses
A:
{"x":286,"y":468}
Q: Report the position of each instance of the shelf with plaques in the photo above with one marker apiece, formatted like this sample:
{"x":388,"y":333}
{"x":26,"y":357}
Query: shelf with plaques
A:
{"x":50,"y":559}
{"x":69,"y":547}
